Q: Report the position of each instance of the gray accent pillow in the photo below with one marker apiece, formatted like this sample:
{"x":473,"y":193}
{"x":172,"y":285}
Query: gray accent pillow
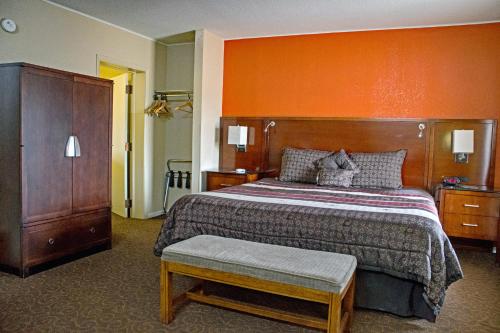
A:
{"x":379,"y":170}
{"x":297,"y":165}
{"x":344,"y":162}
{"x":335,"y":177}
{"x":327,"y":162}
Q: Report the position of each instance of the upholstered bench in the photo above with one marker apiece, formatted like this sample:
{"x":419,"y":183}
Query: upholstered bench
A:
{"x":316,"y":276}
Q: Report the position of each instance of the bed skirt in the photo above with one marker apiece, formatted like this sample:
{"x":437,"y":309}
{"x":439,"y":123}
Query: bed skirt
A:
{"x":379,"y":291}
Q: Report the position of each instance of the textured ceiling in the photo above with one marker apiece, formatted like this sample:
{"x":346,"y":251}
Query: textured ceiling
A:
{"x":253,"y":18}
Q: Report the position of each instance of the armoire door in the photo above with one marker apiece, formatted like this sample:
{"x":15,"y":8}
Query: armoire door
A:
{"x":46,"y":118}
{"x":92,"y":100}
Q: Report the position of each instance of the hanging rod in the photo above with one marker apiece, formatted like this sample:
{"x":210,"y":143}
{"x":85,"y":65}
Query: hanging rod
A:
{"x":174,"y":93}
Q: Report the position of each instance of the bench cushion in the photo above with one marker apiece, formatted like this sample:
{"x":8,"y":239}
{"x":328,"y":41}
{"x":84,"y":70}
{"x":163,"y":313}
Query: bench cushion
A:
{"x":319,"y":270}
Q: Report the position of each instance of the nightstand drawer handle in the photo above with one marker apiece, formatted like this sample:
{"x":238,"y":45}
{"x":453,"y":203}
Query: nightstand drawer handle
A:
{"x":226,"y":185}
{"x":92,"y":230}
{"x":470,"y":225}
{"x":51,"y":241}
{"x":471,"y":206}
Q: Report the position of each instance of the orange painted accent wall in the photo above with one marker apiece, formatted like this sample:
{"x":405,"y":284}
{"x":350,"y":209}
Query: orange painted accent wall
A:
{"x":445,"y":72}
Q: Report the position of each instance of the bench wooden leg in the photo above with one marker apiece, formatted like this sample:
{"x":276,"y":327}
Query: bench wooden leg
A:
{"x":341,"y":310}
{"x":348,"y":303}
{"x":334,"y":313}
{"x":166,"y":304}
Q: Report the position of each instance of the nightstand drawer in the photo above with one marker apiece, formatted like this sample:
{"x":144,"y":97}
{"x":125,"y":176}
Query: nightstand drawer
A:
{"x":470,"y":226}
{"x":217,"y":181}
{"x":472,"y":205}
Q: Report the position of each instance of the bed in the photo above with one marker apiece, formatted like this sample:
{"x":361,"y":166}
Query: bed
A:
{"x":406,"y":261}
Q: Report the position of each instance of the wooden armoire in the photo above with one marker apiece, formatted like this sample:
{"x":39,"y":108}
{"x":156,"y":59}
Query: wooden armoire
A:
{"x":55,"y":192}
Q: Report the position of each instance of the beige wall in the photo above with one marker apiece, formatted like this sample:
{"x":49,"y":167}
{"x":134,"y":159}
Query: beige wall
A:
{"x":54,"y":37}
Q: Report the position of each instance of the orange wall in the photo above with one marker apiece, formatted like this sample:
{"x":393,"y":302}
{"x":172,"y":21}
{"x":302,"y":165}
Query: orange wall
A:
{"x":449,"y":72}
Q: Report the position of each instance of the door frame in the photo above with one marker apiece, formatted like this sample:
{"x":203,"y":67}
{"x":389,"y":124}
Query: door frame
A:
{"x":131,"y":180}
{"x":121,"y":130}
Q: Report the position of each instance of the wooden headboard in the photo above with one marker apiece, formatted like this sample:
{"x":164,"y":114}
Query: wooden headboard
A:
{"x":428,"y":155}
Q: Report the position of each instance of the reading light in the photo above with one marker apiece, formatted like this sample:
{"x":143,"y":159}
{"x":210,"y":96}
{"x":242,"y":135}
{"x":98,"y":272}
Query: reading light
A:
{"x":463,"y":145}
{"x":237,"y":135}
{"x":272,"y":123}
{"x":421,"y":128}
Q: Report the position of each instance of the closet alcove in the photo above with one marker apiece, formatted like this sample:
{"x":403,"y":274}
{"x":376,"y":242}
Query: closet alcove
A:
{"x":173,"y":132}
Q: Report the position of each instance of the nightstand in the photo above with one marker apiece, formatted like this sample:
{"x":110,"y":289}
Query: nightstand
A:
{"x":217,"y":179}
{"x":471,"y":213}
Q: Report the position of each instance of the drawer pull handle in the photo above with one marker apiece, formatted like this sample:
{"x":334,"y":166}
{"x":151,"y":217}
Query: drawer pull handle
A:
{"x":92,"y":230}
{"x":51,"y":241}
{"x":471,"y":206}
{"x":226,"y":185}
{"x":470,"y":225}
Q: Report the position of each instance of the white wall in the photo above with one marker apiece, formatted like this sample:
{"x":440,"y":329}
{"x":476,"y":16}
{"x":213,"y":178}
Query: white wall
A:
{"x":208,"y":77}
{"x":54,"y":37}
{"x":173,"y":137}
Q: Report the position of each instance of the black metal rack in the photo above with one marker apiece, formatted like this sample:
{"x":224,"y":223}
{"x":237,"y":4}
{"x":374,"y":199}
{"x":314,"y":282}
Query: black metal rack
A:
{"x":176,"y":174}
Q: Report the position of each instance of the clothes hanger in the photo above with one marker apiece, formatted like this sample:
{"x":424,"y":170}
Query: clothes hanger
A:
{"x":186,"y":107}
{"x":152,"y":107}
{"x":163,"y":110}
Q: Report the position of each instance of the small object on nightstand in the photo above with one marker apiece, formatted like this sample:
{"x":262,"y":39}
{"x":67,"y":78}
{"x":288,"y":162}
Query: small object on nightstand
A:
{"x":218,"y":179}
{"x":452,"y":181}
{"x":242,"y":171}
{"x":472,"y":213}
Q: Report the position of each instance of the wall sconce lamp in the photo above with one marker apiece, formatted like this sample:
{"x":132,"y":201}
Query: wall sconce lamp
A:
{"x":421,"y":128}
{"x":463,"y":145}
{"x":272,"y":123}
{"x":237,"y":135}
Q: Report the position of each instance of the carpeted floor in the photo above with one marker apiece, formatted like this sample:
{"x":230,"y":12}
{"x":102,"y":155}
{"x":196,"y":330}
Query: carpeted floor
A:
{"x":118,"y":291}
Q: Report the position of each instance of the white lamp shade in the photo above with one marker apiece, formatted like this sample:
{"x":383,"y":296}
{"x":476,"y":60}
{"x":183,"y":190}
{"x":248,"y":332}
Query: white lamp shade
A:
{"x":463,"y":141}
{"x":237,"y":135}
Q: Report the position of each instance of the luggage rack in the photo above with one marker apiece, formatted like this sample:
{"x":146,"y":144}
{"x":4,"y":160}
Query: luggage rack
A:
{"x":170,"y":182}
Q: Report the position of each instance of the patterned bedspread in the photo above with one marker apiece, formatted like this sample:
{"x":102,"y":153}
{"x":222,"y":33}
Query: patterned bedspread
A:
{"x":392,"y":231}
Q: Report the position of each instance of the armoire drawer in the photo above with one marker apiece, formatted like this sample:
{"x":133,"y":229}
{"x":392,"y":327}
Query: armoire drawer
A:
{"x":65,"y":236}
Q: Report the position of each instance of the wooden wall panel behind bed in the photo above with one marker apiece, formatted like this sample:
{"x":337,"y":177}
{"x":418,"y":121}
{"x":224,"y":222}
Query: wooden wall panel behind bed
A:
{"x":428,"y":158}
{"x":354,"y":135}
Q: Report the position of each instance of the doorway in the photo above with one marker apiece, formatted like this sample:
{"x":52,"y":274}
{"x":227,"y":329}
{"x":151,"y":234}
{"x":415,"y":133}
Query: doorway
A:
{"x":123,"y":104}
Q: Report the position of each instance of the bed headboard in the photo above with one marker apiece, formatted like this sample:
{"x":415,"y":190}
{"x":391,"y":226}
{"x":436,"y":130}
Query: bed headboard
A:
{"x":428,"y":151}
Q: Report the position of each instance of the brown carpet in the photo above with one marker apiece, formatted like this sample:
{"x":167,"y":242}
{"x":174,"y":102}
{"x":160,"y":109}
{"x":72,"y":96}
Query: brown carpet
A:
{"x":117,"y":291}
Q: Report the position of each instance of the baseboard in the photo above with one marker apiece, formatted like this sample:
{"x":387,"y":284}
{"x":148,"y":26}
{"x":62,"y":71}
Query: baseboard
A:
{"x":154,"y":214}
